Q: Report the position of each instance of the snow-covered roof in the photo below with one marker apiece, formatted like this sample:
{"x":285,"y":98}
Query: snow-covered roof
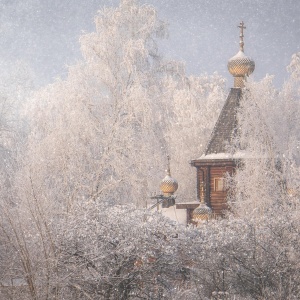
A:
{"x":242,"y":154}
{"x":238,"y":155}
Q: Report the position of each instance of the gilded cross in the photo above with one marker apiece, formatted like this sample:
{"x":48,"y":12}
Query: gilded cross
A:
{"x":242,"y":27}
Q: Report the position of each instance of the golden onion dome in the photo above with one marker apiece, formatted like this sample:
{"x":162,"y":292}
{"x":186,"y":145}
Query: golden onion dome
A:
{"x":201,"y":213}
{"x":240,"y":65}
{"x":168,"y":185}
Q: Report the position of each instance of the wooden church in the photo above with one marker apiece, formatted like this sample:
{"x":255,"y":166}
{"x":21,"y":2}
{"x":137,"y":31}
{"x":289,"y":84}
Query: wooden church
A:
{"x":219,"y":157}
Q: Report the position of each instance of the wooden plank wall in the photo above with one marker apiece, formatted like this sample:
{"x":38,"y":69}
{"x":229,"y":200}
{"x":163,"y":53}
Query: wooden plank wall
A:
{"x":218,"y":199}
{"x":199,"y":180}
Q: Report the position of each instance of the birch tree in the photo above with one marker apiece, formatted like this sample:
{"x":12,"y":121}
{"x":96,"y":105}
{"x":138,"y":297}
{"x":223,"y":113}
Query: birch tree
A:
{"x":106,"y":130}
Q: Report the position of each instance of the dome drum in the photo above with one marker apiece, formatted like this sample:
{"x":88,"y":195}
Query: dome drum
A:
{"x":168,"y":202}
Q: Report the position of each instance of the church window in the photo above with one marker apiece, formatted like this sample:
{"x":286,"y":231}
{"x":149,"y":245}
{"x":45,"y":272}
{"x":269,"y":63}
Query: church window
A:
{"x":219,"y":185}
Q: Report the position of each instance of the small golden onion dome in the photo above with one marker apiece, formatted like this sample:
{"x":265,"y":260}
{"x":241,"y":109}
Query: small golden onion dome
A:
{"x":241,"y":65}
{"x":168,"y":185}
{"x":201,"y":213}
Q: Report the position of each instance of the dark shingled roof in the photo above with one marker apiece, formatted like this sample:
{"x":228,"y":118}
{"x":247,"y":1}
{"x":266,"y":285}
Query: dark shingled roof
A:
{"x":226,"y":126}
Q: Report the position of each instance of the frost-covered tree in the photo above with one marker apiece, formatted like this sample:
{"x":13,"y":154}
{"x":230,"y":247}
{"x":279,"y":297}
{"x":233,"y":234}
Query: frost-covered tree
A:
{"x":257,"y":183}
{"x":105,"y":131}
{"x":100,"y":137}
{"x":120,"y":253}
{"x":16,"y":83}
{"x":288,"y":116}
{"x":247,"y":258}
{"x":269,"y":131}
{"x":94,"y":252}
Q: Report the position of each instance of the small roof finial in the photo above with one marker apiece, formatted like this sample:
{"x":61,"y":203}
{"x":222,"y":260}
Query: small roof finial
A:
{"x":242,"y":27}
{"x":202,"y":193}
{"x":168,"y":169}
